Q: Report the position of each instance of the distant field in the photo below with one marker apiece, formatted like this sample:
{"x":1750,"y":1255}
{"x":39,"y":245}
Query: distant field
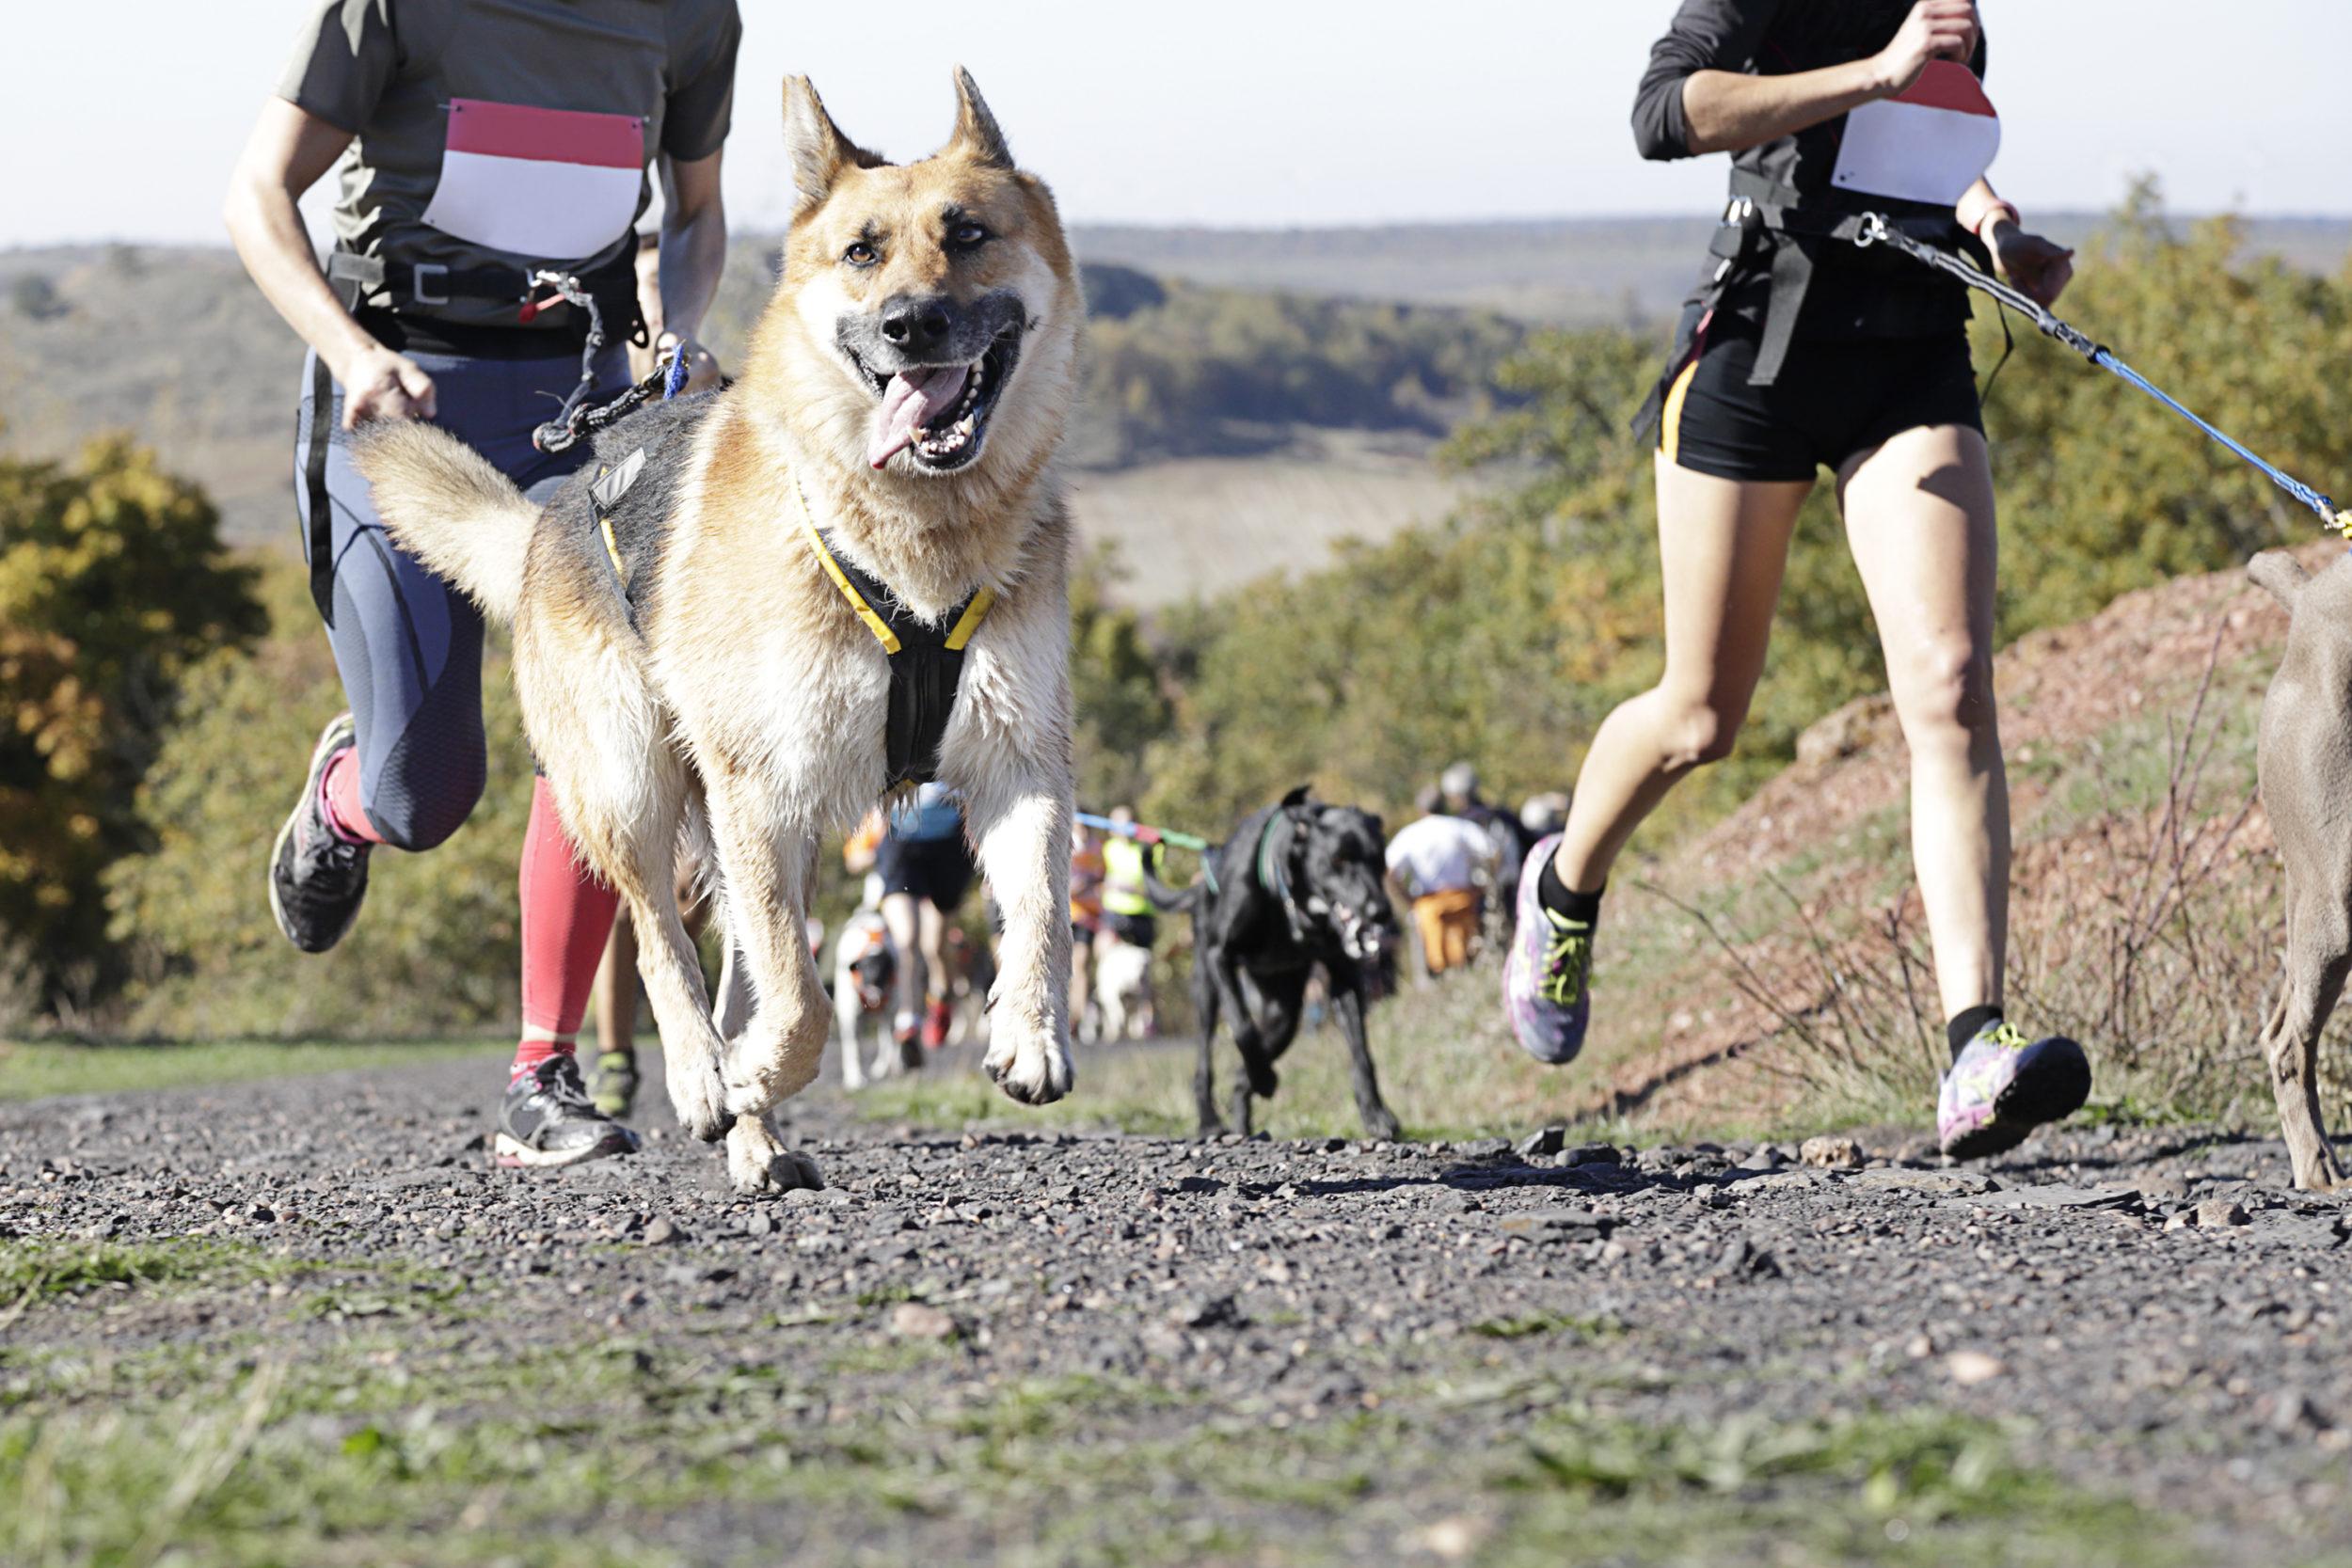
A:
{"x":1205,"y":525}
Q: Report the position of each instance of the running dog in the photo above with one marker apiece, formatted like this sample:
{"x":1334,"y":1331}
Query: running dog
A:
{"x":2304,"y":758}
{"x":864,"y":970}
{"x":697,"y":659}
{"x":1123,"y":989}
{"x":1298,"y":884}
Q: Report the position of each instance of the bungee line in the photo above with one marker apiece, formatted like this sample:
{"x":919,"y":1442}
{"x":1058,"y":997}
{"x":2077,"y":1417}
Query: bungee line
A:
{"x":1877,"y":231}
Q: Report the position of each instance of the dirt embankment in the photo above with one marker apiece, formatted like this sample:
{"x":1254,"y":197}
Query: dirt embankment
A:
{"x":2129,"y":738}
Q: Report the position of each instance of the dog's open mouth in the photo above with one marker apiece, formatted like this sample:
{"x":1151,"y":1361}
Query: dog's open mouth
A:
{"x":940,"y":413}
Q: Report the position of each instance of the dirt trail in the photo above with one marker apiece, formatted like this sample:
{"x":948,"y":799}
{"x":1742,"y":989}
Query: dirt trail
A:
{"x":1080,"y":1348}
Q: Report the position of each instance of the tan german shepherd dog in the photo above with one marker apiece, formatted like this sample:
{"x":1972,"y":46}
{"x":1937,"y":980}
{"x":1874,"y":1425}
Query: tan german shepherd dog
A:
{"x":904,"y":394}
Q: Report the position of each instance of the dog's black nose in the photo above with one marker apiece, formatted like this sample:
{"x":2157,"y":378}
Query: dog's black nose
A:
{"x":915,"y":327}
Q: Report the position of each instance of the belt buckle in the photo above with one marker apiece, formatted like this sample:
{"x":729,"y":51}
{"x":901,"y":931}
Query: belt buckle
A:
{"x":417,"y":282}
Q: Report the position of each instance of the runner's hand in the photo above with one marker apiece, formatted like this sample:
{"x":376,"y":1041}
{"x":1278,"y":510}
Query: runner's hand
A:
{"x":1934,"y":30}
{"x":2040,"y":268}
{"x":380,"y":385}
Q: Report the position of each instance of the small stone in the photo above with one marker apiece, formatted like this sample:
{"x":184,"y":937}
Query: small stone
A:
{"x":2164,"y":1189}
{"x":1453,"y":1539}
{"x":1969,"y":1368}
{"x":660,"y":1233}
{"x":2292,"y":1412}
{"x":1766,"y":1157}
{"x":1946,"y":1183}
{"x":1830,"y":1152}
{"x":920,"y":1319}
{"x":1553,"y":1225}
{"x":1206,"y":1312}
{"x":2217,"y":1213}
{"x":761,"y":1222}
{"x":1551,"y":1140}
{"x":2180,"y":1221}
{"x":1590,"y":1154}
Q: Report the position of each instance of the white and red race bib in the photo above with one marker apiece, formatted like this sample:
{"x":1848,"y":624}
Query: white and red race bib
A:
{"x":553,"y":185}
{"x":1930,"y":144}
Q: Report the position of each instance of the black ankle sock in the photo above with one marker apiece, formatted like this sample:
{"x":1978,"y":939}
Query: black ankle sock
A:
{"x":1968,"y":1026}
{"x":1554,"y":896}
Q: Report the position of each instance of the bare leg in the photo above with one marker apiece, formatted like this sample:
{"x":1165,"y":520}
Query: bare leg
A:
{"x":898,"y":915}
{"x":1722,"y":546}
{"x":934,"y":926}
{"x":616,"y":988}
{"x":1919,"y":520}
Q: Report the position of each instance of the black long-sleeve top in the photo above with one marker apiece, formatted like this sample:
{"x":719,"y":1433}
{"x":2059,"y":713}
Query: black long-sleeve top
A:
{"x":1852,"y":295}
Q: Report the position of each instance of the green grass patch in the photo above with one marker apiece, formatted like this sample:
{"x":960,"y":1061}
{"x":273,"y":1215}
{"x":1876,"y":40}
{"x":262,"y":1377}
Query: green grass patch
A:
{"x":45,"y":1269}
{"x":38,"y":1069}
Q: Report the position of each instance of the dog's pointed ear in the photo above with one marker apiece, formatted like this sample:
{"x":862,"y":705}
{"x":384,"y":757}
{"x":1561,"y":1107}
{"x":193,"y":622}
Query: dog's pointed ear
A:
{"x":1297,"y":796}
{"x":976,"y":135}
{"x":819,"y":151}
{"x":2279,"y":574}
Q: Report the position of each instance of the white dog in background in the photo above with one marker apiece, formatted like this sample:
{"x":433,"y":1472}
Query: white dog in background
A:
{"x":865,"y":973}
{"x":1123,"y":989}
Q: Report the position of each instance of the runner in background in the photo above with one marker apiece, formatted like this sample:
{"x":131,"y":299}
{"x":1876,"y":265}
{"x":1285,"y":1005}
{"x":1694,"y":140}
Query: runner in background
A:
{"x":474,"y":147}
{"x":1799,"y":352}
{"x":1086,"y":919}
{"x":925,"y":861}
{"x":1442,"y":863}
{"x":1129,"y":916}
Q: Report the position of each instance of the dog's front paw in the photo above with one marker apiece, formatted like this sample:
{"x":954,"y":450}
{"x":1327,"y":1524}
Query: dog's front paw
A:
{"x":698,"y":1095}
{"x":1031,"y":1064}
{"x":758,"y":1164}
{"x":773,"y":1060}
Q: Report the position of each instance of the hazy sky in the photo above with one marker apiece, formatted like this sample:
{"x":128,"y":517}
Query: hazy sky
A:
{"x":1278,"y":112}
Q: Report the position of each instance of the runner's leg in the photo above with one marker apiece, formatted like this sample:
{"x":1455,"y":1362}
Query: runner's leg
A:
{"x":1722,"y":546}
{"x":1919,"y":519}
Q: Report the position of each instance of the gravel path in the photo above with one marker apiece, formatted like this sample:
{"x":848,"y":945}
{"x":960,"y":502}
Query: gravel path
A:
{"x":1249,"y":1351}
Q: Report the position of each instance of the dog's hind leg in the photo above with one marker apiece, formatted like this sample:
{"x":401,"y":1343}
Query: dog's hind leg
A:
{"x":765,"y":865}
{"x":2319,"y":954}
{"x":1205,"y":1001}
{"x":1347,"y":1001}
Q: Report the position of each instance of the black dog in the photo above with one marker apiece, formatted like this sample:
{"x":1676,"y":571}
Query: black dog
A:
{"x":1298,"y":884}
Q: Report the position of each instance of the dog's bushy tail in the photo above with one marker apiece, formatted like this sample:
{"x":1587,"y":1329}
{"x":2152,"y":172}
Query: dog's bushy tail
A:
{"x":443,"y":503}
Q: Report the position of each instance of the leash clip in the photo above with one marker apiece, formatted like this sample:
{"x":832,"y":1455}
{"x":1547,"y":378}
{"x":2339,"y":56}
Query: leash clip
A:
{"x":1873,"y":231}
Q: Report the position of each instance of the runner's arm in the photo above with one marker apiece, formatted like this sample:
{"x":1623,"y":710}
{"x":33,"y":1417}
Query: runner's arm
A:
{"x":2040,"y":268}
{"x":288,"y":152}
{"x":693,"y":253}
{"x":1696,"y":98}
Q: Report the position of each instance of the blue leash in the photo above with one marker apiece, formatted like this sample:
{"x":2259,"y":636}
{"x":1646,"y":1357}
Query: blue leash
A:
{"x":1877,"y":231}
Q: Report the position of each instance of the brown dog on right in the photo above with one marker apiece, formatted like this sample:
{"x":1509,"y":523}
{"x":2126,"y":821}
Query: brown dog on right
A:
{"x":2306,"y":766}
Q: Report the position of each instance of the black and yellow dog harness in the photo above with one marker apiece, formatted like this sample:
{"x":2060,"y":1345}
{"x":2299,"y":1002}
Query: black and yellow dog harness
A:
{"x":926,"y":659}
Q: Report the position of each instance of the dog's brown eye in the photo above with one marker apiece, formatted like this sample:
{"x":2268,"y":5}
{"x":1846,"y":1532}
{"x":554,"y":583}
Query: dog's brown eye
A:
{"x":963,"y":236}
{"x":860,"y":255}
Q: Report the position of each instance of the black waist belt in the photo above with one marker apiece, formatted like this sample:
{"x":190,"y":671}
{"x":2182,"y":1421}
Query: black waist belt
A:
{"x":926,"y":660}
{"x":1759,"y":208}
{"x":367,"y":281}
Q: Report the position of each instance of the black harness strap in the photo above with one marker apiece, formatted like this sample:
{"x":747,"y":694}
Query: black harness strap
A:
{"x":321,"y":539}
{"x":926,"y":659}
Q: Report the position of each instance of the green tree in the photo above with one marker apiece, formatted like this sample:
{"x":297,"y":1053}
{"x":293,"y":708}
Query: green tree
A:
{"x":113,"y":584}
{"x":437,"y":947}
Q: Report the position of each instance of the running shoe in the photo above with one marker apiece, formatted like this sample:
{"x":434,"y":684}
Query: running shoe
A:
{"x":1545,"y":980}
{"x":936,"y":1018}
{"x":317,"y":877}
{"x":616,"y":1084}
{"x":2004,"y":1086}
{"x":547,"y":1119}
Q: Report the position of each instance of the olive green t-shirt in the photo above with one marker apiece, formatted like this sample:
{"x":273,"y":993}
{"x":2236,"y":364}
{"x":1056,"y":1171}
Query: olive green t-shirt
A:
{"x":504,"y":135}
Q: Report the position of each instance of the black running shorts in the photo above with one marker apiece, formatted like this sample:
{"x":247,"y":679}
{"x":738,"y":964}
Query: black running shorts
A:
{"x":1834,"y":398}
{"x":937,"y":870}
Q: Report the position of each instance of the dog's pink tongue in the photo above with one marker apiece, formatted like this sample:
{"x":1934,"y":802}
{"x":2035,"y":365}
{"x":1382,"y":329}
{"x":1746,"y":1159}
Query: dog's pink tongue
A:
{"x":911,"y":401}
